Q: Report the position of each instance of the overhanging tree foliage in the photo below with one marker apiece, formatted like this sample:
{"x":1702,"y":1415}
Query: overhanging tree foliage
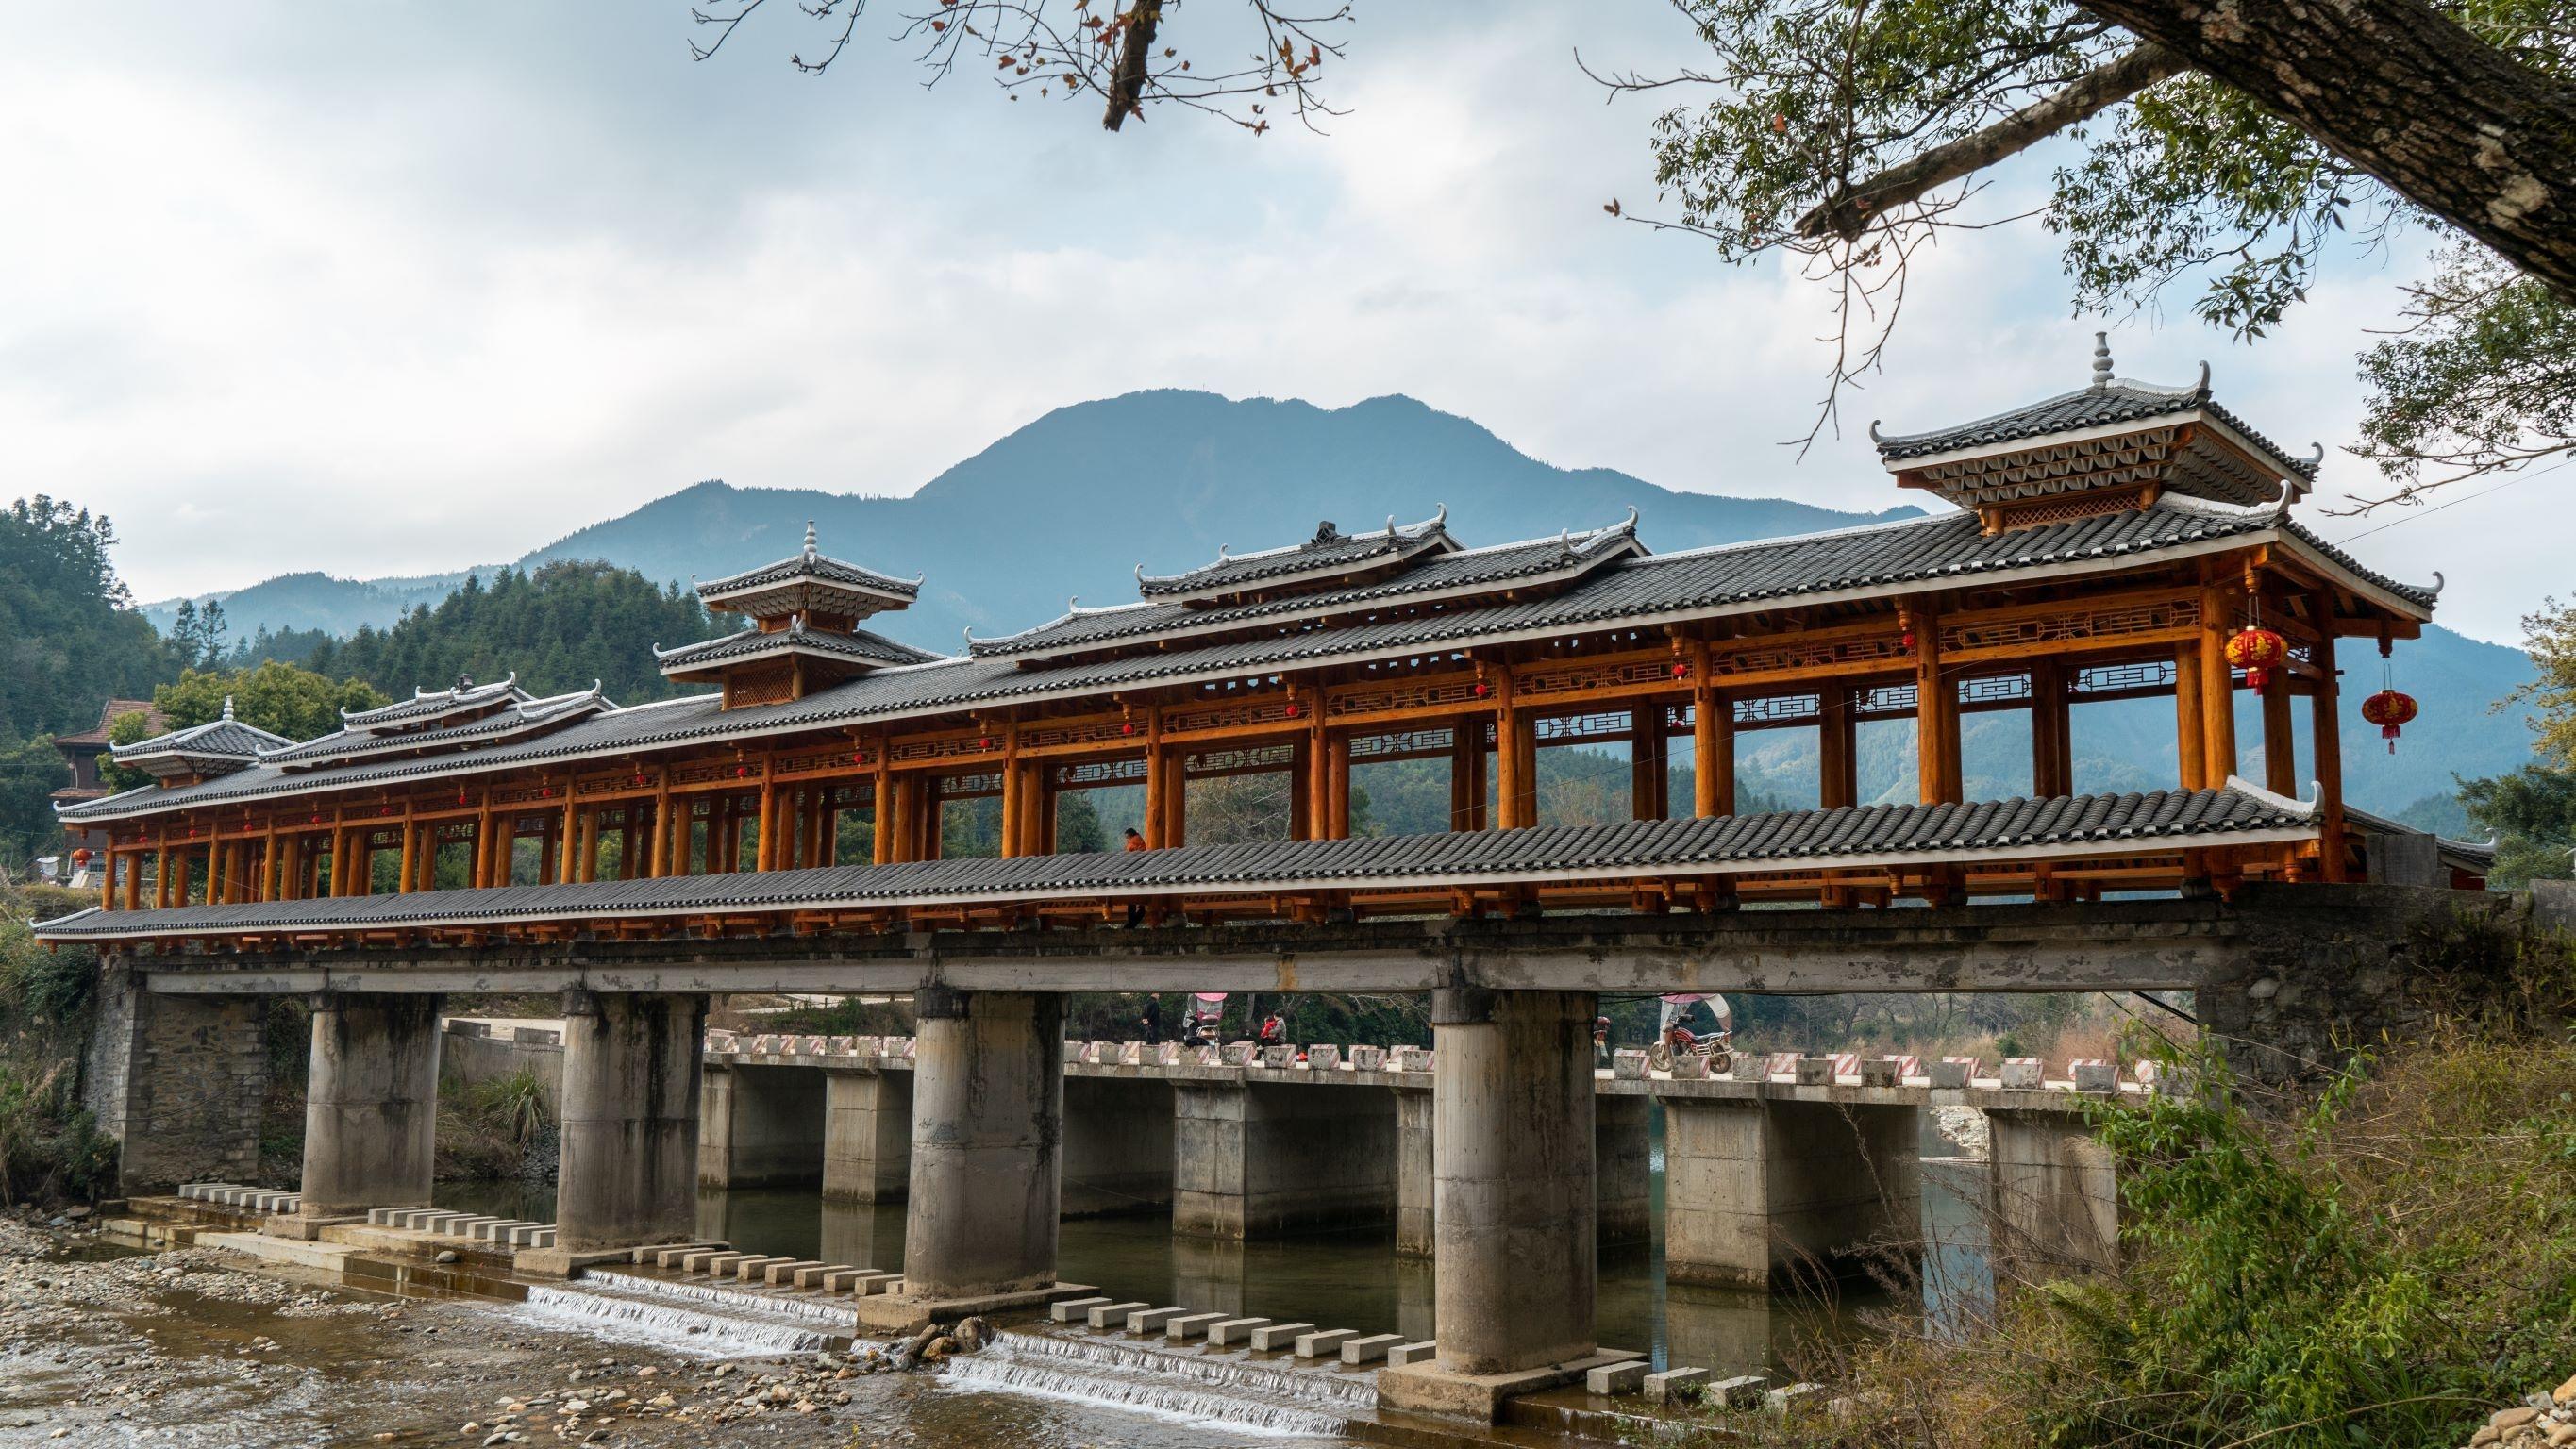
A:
{"x":2223,"y":147}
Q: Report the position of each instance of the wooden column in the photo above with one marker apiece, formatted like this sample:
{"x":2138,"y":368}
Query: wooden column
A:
{"x":2280,"y":750}
{"x":1014,"y":830}
{"x":1646,"y":762}
{"x":1176,"y":798}
{"x":934,"y":818}
{"x":161,"y":877}
{"x":765,"y":849}
{"x":1936,"y":715}
{"x":1837,"y":762}
{"x":2189,"y":749}
{"x":2217,"y":686}
{"x":1467,"y":773}
{"x":567,"y":837}
{"x":883,"y":852}
{"x":2325,"y":719}
{"x":1712,"y":742}
{"x":1337,"y":787}
{"x":409,"y":871}
{"x":1508,"y":785}
{"x":658,"y":862}
{"x":2052,"y":745}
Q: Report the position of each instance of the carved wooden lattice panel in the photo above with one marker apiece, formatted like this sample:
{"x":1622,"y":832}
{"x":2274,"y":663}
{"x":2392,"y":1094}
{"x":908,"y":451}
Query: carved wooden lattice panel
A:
{"x":521,"y":794}
{"x":1792,"y":653}
{"x":915,"y":749}
{"x":1071,"y":733}
{"x":706,"y":772}
{"x":2073,"y":624}
{"x":772,"y":683}
{"x":2130,"y":460}
{"x":1244,"y":714}
{"x":814,"y":760}
{"x":1446,"y":691}
{"x":1633,"y":673}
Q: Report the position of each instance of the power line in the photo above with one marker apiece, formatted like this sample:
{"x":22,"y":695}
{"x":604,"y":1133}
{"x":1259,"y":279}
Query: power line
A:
{"x":2454,"y":502}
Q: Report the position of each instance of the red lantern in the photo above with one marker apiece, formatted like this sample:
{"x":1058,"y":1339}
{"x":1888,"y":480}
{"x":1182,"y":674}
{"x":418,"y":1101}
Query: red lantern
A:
{"x":1292,"y":709}
{"x":2257,"y":651}
{"x":81,"y":856}
{"x":2389,"y":710}
{"x":1127,"y":727}
{"x":1905,"y":641}
{"x":1480,"y":689}
{"x":1681,"y":671}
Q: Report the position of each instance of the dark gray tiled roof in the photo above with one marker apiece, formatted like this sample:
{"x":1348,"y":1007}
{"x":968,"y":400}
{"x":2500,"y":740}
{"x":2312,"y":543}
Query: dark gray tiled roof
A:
{"x":2096,"y":824}
{"x":858,"y":644}
{"x":2119,"y":402}
{"x":222,"y":739}
{"x":1568,"y":555}
{"x":1882,"y":558}
{"x":520,"y":717}
{"x":814,"y":566}
{"x":427,"y":704}
{"x":1329,"y":550}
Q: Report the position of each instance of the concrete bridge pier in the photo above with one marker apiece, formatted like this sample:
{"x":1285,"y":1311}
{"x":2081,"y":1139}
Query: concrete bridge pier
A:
{"x":180,"y":1081}
{"x":1260,"y":1159}
{"x":629,"y":1164}
{"x":867,"y":1136}
{"x":1758,"y":1192}
{"x":1513,"y":1204}
{"x":2052,"y":1194}
{"x":1623,"y":1163}
{"x":987,"y":1135}
{"x":370,"y":1107}
{"x":762,"y":1126}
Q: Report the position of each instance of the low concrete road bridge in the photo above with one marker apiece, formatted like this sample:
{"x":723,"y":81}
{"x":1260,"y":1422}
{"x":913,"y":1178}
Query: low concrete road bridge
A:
{"x":1514,"y":1152}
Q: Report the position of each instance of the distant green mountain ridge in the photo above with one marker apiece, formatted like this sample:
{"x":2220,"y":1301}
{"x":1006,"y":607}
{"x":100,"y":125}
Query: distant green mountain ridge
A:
{"x":1070,"y":505}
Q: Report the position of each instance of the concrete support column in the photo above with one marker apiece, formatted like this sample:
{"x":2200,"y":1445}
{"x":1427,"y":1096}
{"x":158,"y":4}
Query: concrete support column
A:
{"x":2052,"y":1195}
{"x":1413,"y":1175}
{"x":179,"y":1081}
{"x":867,"y":1136}
{"x":1263,"y":1159}
{"x":630,"y":1119}
{"x":987,"y":1128}
{"x":1512,"y":1199}
{"x":1758,"y":1192}
{"x":1623,"y":1171}
{"x":761,"y":1127}
{"x":371,"y":1103}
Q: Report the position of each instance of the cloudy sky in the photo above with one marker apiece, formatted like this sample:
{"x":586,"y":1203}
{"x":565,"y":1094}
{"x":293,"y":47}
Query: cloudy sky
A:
{"x":405,"y":287}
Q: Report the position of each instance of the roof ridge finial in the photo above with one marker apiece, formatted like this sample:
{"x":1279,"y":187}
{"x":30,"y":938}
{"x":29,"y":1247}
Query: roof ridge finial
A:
{"x":809,"y":538}
{"x":228,"y":709}
{"x":2101,"y":361}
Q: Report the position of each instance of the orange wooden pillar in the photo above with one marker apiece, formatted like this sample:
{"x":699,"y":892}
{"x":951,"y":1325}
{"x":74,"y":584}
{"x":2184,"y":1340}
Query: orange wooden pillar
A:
{"x":1337,"y":787}
{"x":882,"y":851}
{"x":2280,"y":749}
{"x":2325,"y":733}
{"x":567,"y":840}
{"x":1467,"y":773}
{"x":1939,"y":777}
{"x":2217,"y":687}
{"x":2052,"y":740}
{"x":1837,"y":741}
{"x":2189,"y":750}
{"x":1712,"y":742}
{"x":1646,"y":785}
{"x":764,"y":853}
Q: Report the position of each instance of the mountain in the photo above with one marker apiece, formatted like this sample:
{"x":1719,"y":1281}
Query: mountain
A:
{"x":1071,"y":503}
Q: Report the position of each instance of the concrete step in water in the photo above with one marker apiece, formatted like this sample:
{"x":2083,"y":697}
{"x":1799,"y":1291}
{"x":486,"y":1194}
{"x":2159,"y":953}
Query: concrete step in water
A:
{"x":1235,"y":1330}
{"x":1370,"y":1348}
{"x":1110,"y":1315}
{"x":1186,"y":1326}
{"x":779,"y":1275}
{"x":1271,"y":1337}
{"x":1151,"y":1320}
{"x":1263,"y":1395}
{"x":1066,"y":1310}
{"x":1401,"y":1354}
{"x":1325,"y":1344}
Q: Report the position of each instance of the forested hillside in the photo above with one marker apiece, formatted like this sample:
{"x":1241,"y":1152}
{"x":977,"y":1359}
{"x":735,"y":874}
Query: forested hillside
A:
{"x":559,"y":627}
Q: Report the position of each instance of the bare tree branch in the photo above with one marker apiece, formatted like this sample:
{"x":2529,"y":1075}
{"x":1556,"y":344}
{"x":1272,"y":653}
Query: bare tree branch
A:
{"x":1849,"y":211}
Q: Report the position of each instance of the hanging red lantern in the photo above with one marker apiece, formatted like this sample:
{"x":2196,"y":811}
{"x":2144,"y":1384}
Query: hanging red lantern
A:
{"x":2258,"y":651}
{"x":1681,"y":671}
{"x":2391,"y":711}
{"x":1480,"y":689}
{"x":81,"y":856}
{"x":1292,"y":709}
{"x":1905,"y":641}
{"x":1127,"y":727}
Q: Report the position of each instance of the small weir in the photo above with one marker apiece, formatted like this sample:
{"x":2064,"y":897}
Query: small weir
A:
{"x":1182,"y":1384}
{"x":696,"y":1318}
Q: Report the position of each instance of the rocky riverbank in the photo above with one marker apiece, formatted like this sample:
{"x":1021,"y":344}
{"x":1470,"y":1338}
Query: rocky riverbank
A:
{"x":2544,"y":1420}
{"x":191,"y":1347}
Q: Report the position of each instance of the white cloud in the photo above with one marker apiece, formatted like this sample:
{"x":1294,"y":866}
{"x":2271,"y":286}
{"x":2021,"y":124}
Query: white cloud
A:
{"x":281,"y":309}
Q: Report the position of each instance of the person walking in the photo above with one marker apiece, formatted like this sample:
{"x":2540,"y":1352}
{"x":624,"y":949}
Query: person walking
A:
{"x":1153,"y":1020}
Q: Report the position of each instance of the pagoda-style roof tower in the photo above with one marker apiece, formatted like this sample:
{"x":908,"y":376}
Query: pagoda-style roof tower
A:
{"x":199,"y":752}
{"x":1331,"y":559}
{"x":2114,"y":446}
{"x":804,"y":613}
